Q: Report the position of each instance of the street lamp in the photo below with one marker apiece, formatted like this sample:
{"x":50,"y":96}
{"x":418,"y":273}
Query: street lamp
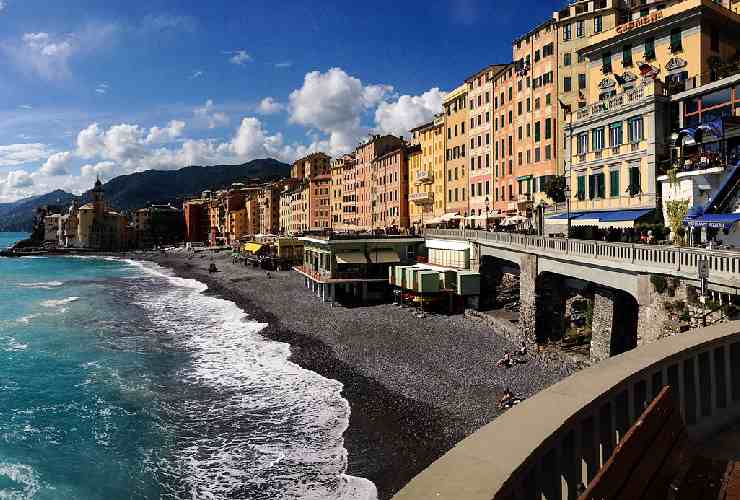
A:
{"x":487,"y":210}
{"x":566,"y":191}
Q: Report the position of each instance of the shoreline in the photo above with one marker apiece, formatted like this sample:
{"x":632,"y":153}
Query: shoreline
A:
{"x":378,"y":417}
{"x":400,"y":421}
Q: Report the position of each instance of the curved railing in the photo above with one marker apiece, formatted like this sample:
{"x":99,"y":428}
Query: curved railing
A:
{"x":549,"y":444}
{"x":723,"y":265}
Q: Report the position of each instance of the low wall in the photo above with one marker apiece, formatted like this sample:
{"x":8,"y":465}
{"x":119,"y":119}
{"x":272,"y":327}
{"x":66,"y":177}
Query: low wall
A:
{"x":558,"y":439}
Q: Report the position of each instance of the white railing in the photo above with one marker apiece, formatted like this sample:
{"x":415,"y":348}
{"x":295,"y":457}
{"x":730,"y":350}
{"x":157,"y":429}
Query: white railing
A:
{"x":557,"y":440}
{"x":724,"y":266}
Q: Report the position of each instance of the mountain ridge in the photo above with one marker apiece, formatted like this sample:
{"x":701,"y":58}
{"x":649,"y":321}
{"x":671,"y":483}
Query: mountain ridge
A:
{"x":140,"y":189}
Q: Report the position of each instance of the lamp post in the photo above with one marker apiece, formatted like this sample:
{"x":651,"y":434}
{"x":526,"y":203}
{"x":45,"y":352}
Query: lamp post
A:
{"x":487,"y":209}
{"x":566,"y":190}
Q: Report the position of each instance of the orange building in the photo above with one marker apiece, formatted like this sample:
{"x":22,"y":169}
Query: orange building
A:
{"x":315,"y":199}
{"x":390,"y":180}
{"x":365,"y":156}
{"x":504,"y":105}
{"x":197,"y":226}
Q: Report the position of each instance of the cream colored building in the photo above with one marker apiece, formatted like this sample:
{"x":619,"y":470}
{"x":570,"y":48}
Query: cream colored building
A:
{"x":427,"y":172}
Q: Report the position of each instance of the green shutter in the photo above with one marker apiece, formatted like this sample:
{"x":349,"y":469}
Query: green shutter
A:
{"x":581,"y":193}
{"x":614,"y":183}
{"x":591,"y":187}
{"x":601,"y":185}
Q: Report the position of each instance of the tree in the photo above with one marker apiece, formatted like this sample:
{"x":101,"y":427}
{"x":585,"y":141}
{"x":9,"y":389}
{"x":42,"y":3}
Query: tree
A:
{"x":555,"y":188}
{"x":677,"y":210}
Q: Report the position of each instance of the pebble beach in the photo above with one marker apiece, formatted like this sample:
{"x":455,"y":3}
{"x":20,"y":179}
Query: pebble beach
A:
{"x":416,"y":386}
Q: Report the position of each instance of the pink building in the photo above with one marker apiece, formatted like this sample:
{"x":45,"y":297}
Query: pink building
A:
{"x":365,"y":156}
{"x":390,"y":181}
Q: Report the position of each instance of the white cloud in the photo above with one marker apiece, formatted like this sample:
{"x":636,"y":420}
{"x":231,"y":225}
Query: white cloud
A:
{"x":284,"y":64}
{"x":212,"y":117}
{"x":269,"y":106}
{"x":102,"y":88}
{"x":168,"y":22}
{"x":334,"y":102}
{"x":239,"y":57}
{"x":3,"y":4}
{"x":407,"y":112}
{"x":172,"y":131}
{"x":196,"y":74}
{"x":104,"y":169}
{"x":18,"y":154}
{"x":56,"y":164}
{"x":18,"y":179}
{"x":25,"y":106}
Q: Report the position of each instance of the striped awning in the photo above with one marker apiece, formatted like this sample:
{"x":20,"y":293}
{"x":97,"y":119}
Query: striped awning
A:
{"x":351,"y":258}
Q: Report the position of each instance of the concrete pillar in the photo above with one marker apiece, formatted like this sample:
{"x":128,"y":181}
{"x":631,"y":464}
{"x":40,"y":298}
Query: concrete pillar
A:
{"x":602,"y":326}
{"x":528,"y":297}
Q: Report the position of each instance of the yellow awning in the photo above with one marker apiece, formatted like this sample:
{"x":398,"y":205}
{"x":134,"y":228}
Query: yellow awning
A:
{"x":252,"y":247}
{"x":351,"y":258}
{"x":383,"y":257}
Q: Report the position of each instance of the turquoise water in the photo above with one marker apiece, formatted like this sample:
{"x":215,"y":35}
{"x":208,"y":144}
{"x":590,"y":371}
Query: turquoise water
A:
{"x":118,"y":380}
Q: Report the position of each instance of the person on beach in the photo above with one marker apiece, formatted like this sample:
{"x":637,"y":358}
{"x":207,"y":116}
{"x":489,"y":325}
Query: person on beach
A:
{"x":508,"y":399}
{"x":269,"y":276}
{"x":506,"y":361}
{"x":523,"y":349}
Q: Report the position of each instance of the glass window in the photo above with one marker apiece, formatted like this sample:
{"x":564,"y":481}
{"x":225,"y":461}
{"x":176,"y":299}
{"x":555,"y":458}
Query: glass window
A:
{"x":649,"y":49}
{"x":566,"y":32}
{"x":583,"y":143}
{"x":580,"y":31}
{"x":691,"y":105}
{"x":615,"y":134}
{"x":716,"y":98}
{"x":676,"y":40}
{"x":598,"y":24}
{"x":597,"y":139}
{"x":537,"y":132}
{"x":548,"y":128}
{"x":581,"y":81}
{"x":635,"y":130}
{"x":566,"y":84}
{"x":606,"y":62}
{"x":566,"y":59}
{"x":627,"y":55}
{"x":634,"y":186}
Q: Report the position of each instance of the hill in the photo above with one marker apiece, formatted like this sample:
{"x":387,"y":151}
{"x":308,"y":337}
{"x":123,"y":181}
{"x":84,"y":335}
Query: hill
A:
{"x":127,"y":192}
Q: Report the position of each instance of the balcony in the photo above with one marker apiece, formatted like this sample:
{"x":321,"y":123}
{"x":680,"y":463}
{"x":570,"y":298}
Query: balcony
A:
{"x":424,"y":177}
{"x":422,"y":198}
{"x":626,"y":98}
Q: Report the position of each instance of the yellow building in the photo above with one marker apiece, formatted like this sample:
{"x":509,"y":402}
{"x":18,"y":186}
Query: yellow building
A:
{"x":618,"y":142}
{"x":456,"y":172}
{"x":98,"y":226}
{"x":427,"y":172}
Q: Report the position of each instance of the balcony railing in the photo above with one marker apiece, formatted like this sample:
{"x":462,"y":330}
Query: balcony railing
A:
{"x":421,"y":198}
{"x":623,"y":99}
{"x":424,"y":177}
{"x":550,"y":444}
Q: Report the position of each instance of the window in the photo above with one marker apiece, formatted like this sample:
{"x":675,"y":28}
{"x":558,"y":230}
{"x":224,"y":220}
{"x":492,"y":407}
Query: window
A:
{"x":606,"y":62}
{"x":548,"y":152}
{"x":598,"y":24}
{"x":615,"y":134}
{"x":536,"y":131}
{"x":714,"y":40}
{"x":566,"y":84}
{"x":581,"y":58}
{"x":566,"y":59}
{"x":536,"y":155}
{"x":627,"y":55}
{"x":519,"y":107}
{"x":676,"y":40}
{"x":529,"y":104}
{"x":597,"y":139}
{"x":581,"y":81}
{"x":548,"y":50}
{"x":614,"y":183}
{"x":649,"y":49}
{"x":635,"y":130}
{"x":536,"y":55}
{"x":548,"y":128}
{"x":548,"y":100}
{"x":580,"y":31}
{"x":567,"y":33}
{"x":634,"y":186}
{"x":519,"y":133}
{"x":596,"y":186}
{"x":581,"y":188}
{"x":716,"y":98}
{"x":583,"y":143}
{"x":537,"y":103}
{"x":644,"y":12}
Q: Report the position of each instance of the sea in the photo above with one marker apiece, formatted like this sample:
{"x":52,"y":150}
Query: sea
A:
{"x":119,"y":380}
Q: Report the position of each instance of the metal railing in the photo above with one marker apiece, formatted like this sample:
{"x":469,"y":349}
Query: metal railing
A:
{"x":548,"y":445}
{"x":723,"y":265}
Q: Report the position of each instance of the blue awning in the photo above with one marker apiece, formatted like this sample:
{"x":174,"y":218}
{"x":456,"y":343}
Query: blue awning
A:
{"x":720,"y":221}
{"x":606,"y":215}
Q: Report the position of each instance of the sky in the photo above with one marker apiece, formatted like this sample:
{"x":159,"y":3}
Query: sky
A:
{"x":106,"y":87}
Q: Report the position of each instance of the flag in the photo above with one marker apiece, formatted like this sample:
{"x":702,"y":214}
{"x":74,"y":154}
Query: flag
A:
{"x":565,"y":107}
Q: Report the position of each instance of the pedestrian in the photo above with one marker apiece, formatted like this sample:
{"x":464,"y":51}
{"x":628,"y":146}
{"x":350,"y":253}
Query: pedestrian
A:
{"x":269,"y":276}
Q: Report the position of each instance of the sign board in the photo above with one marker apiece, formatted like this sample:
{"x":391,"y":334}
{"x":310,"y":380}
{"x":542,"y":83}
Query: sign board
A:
{"x":637,"y":23}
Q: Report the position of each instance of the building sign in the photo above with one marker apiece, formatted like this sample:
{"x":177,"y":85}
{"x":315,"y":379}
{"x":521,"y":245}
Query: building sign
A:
{"x":640,"y":22}
{"x":675,"y":63}
{"x":606,"y":84}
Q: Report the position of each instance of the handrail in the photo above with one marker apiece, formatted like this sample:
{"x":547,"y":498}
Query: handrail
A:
{"x":558,"y":439}
{"x":724,"y":266}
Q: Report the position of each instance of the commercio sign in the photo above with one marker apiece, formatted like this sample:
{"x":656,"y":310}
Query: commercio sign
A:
{"x":638,"y":23}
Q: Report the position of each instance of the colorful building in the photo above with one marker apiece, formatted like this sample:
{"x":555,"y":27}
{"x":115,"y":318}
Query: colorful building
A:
{"x":456,"y":144}
{"x":390,"y":184}
{"x":427,"y":172}
{"x":365,"y":156}
{"x":504,"y":105}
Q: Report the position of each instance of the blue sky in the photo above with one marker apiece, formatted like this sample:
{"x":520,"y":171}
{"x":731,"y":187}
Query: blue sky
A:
{"x":114,"y":86}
